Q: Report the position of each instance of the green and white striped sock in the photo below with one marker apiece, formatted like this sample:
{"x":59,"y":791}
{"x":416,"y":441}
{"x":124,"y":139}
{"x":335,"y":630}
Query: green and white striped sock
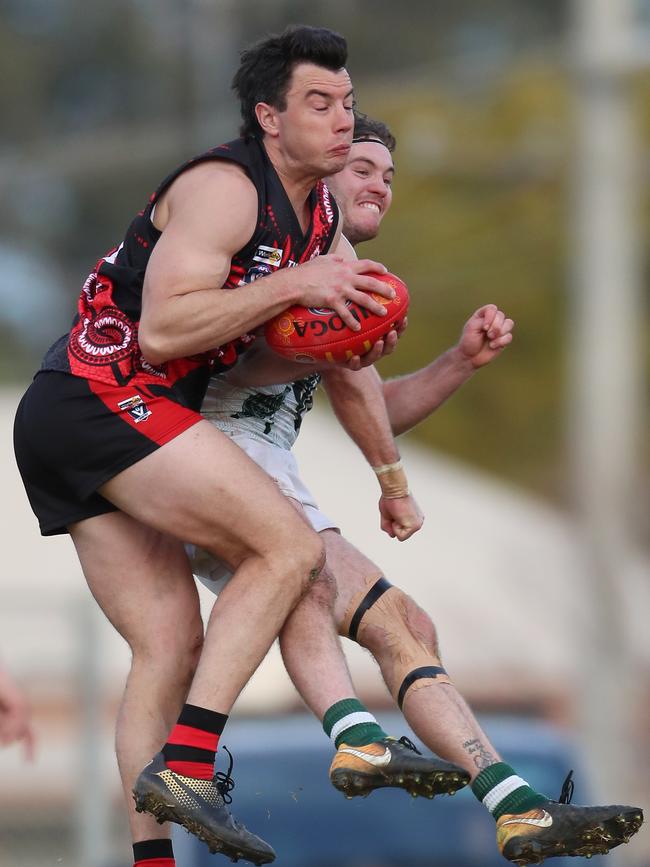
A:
{"x":502,"y":791}
{"x":348,"y":721}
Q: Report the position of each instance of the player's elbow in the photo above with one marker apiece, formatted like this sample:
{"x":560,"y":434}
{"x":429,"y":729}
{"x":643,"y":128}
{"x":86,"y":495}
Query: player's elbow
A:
{"x":341,"y":380}
{"x":153,"y":345}
{"x":398,"y":424}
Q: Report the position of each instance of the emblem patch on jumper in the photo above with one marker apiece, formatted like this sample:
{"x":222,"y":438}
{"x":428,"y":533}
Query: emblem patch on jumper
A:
{"x":136,"y":408}
{"x":268,"y":255}
{"x":254,"y":274}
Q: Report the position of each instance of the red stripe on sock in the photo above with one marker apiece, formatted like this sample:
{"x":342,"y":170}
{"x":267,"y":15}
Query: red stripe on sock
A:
{"x":188,"y":736}
{"x":156,"y":862}
{"x":197,"y":770}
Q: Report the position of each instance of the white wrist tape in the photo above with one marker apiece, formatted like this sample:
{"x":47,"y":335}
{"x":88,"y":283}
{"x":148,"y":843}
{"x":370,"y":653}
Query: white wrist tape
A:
{"x":392,"y":480}
{"x":387,"y":468}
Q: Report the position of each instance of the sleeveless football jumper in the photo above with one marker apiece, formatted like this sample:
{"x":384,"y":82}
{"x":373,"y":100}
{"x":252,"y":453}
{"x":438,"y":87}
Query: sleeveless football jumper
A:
{"x":96,"y":406}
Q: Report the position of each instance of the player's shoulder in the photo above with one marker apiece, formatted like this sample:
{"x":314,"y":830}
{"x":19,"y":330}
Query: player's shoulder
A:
{"x":211,"y":177}
{"x":213,"y":190}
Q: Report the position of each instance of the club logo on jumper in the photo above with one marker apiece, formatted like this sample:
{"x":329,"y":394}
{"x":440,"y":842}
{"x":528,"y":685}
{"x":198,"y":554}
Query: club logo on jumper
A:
{"x":254,"y":274}
{"x":544,"y":821}
{"x":377,"y":761}
{"x":136,"y":408}
{"x":268,"y":255}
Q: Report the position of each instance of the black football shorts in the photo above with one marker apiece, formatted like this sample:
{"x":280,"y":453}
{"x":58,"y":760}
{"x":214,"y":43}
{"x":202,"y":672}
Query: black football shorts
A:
{"x":71,"y":435}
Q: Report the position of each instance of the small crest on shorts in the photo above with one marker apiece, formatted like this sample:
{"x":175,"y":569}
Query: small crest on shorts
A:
{"x":136,"y":408}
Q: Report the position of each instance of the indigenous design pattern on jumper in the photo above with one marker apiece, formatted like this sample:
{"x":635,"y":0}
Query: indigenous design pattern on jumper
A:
{"x":103,"y":342}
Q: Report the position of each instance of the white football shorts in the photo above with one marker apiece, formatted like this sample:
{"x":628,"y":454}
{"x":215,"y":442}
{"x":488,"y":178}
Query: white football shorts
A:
{"x":281,"y":465}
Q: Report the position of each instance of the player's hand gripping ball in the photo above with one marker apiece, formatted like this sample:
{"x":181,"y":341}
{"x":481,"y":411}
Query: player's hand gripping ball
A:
{"x":319,"y":334}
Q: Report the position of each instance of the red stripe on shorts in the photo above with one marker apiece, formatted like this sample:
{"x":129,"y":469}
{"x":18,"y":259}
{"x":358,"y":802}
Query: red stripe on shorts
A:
{"x":158,"y":418}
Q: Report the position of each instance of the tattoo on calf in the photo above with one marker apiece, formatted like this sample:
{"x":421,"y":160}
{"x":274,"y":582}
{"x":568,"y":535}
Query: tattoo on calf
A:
{"x":480,"y":754}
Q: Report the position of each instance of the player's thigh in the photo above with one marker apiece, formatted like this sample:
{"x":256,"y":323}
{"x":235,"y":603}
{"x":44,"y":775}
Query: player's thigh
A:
{"x":142,"y":581}
{"x":350,"y":568}
{"x":204,"y":489}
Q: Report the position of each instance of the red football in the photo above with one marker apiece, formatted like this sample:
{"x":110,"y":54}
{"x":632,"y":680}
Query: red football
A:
{"x":319,"y":334}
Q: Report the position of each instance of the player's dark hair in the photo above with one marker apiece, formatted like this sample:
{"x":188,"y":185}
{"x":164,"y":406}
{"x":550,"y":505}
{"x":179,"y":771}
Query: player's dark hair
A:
{"x":265,"y":68}
{"x":368,"y":128}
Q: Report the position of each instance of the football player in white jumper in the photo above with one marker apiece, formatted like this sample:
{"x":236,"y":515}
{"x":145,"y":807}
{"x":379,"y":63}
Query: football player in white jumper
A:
{"x":264,"y":420}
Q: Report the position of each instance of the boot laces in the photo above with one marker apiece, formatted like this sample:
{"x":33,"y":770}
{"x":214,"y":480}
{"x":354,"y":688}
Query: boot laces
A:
{"x":567,"y":789}
{"x":409,"y":744}
{"x":224,"y":783}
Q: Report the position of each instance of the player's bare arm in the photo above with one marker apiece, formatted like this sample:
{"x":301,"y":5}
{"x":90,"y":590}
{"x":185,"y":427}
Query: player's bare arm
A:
{"x":412,"y":398}
{"x":260,"y":366}
{"x":357,"y":399}
{"x":184,"y":312}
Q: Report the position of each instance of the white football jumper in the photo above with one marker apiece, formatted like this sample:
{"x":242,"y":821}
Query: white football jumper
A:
{"x":264,"y":421}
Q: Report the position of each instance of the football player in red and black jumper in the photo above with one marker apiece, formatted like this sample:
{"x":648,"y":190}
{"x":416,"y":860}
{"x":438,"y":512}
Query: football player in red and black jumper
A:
{"x":113,"y":451}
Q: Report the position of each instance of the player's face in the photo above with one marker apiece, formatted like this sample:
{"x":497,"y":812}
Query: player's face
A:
{"x":363,"y":190}
{"x":315,"y":129}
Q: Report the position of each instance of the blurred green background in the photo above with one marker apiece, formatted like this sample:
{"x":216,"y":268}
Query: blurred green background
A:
{"x":99,"y":101}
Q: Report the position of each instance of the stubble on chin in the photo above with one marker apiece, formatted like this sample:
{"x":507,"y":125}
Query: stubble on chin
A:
{"x":335,"y":165}
{"x":359,"y":234}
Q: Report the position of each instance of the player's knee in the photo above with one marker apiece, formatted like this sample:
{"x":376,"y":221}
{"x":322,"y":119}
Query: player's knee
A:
{"x":299,"y":562}
{"x":399,"y":628}
{"x":383,"y":616}
{"x":398,"y":633}
{"x":312,"y":560}
{"x":421,"y":626}
{"x":322,"y":590}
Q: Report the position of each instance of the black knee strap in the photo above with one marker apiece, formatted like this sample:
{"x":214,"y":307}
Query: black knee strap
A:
{"x":428,"y":672}
{"x":378,"y":589}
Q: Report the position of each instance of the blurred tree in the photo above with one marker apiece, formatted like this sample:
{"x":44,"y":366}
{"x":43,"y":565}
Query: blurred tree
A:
{"x":484,"y":221}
